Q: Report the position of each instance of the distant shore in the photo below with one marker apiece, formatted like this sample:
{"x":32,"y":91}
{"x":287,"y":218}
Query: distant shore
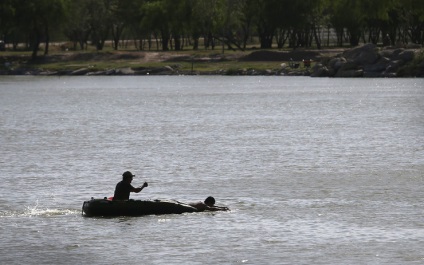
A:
{"x":363,"y":61}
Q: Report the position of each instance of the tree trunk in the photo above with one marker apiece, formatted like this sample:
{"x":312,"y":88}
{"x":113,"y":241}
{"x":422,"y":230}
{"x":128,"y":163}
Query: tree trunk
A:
{"x":116,"y":34}
{"x":165,"y":42}
{"x":46,"y":48}
{"x":339,"y":33}
{"x":177,"y":42}
{"x":266,"y":40}
{"x":35,"y":43}
{"x":317,"y":39}
{"x":196,"y":43}
{"x":35,"y":47}
{"x":354,"y":37}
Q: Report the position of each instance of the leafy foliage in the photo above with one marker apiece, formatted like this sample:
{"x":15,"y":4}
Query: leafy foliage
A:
{"x":232,"y":24}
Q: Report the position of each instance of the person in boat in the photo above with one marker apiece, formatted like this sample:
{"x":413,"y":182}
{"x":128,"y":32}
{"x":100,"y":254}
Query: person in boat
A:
{"x":208,"y":205}
{"x":124,"y":187}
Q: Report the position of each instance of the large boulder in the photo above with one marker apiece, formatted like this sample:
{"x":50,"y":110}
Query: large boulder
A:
{"x":336,"y":63}
{"x":394,"y":66}
{"x":349,"y":69}
{"x":319,"y":70}
{"x":405,"y":56}
{"x":363,"y":55}
{"x":380,"y":66}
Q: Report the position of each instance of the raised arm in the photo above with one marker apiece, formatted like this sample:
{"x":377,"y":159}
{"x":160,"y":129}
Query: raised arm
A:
{"x":137,"y":190}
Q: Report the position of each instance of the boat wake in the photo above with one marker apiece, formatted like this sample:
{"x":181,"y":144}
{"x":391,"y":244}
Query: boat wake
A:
{"x":35,"y":211}
{"x":49,"y":212}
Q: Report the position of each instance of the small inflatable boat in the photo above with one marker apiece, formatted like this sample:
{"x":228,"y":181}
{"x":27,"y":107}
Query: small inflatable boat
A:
{"x":107,"y":207}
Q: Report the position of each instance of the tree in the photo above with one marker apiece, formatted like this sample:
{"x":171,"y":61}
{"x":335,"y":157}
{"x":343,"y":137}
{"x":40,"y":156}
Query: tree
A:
{"x":412,"y":12}
{"x":317,"y":17}
{"x":38,"y":19}
{"x":232,"y":22}
{"x":376,"y":18}
{"x":266,"y":19}
{"x":168,"y":17}
{"x":207,"y":20}
{"x":300,"y":22}
{"x":7,"y":13}
{"x":347,"y":14}
{"x":129,"y":15}
{"x":247,"y":19}
{"x":156,"y":18}
{"x":99,"y":20}
{"x":119,"y":11}
{"x":232,"y":28}
{"x":179,"y":17}
{"x":77,"y":27}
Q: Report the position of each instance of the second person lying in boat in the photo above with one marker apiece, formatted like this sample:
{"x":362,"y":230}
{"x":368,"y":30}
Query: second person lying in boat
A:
{"x":208,"y":205}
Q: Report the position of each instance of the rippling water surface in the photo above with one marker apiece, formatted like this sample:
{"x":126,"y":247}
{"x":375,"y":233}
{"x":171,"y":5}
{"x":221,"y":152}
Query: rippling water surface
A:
{"x":315,"y":171}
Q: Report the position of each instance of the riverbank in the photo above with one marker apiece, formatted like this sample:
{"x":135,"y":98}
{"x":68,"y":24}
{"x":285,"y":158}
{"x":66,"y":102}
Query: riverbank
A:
{"x":363,"y":61}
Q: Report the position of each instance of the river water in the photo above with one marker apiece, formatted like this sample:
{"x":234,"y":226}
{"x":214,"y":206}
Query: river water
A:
{"x":315,"y":171}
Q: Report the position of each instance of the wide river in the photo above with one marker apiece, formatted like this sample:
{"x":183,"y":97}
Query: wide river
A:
{"x":315,"y":171}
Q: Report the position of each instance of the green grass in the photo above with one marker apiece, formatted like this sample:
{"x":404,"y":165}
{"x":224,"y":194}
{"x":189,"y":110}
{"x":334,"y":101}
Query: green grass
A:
{"x":186,"y":61}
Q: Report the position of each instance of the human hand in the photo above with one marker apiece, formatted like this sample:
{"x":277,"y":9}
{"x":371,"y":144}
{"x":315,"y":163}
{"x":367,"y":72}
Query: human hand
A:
{"x":145,"y":184}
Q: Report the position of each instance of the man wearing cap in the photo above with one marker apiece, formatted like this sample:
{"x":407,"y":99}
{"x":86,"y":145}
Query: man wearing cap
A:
{"x":124,"y":187}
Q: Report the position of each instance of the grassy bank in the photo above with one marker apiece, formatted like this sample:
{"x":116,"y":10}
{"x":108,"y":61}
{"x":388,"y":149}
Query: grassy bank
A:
{"x":189,"y":61}
{"x":201,"y":62}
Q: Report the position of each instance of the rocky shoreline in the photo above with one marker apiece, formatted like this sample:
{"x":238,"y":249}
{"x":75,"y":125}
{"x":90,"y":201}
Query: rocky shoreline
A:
{"x":363,"y":61}
{"x":370,"y":61}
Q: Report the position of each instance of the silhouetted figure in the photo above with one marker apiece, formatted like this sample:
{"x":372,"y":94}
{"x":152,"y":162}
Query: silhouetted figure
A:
{"x":124,"y":187}
{"x":208,"y":205}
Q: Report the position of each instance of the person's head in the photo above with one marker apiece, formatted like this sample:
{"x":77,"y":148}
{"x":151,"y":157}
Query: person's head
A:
{"x":127,"y":176}
{"x":210,"y":201}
